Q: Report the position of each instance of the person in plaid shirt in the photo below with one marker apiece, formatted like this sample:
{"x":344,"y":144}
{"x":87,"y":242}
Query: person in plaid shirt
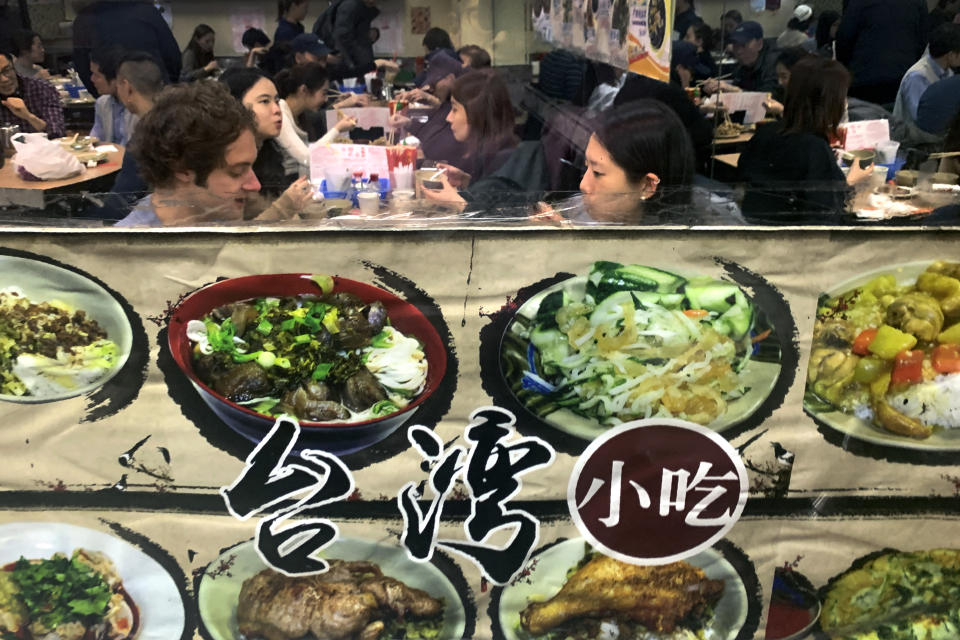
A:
{"x":33,"y":104}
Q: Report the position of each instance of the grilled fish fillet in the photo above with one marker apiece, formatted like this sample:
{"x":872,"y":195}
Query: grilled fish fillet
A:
{"x":656,"y":597}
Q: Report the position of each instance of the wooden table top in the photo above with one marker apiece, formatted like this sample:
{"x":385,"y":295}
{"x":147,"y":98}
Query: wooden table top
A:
{"x":10,"y":180}
{"x":729,"y":159}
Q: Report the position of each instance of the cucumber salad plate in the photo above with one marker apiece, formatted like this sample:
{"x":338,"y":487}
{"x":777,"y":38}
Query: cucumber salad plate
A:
{"x":628,"y":342}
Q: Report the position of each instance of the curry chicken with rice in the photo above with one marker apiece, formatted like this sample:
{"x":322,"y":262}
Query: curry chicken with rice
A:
{"x":889,"y":353}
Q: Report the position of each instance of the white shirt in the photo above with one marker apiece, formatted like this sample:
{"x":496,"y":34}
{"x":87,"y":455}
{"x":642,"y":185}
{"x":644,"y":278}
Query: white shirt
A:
{"x":293,"y":141}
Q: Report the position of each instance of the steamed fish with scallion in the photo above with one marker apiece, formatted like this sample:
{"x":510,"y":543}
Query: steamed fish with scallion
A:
{"x":48,"y":348}
{"x":639,"y":343}
{"x":327,"y":358}
{"x":889,"y":352}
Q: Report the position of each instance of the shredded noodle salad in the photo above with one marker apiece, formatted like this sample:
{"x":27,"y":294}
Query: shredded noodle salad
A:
{"x":641,"y":343}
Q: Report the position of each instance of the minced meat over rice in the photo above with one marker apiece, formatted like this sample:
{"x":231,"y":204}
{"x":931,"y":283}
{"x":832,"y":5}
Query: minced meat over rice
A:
{"x":43,"y":328}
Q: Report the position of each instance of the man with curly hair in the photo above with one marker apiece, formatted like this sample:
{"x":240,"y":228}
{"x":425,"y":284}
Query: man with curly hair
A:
{"x":195,"y":149}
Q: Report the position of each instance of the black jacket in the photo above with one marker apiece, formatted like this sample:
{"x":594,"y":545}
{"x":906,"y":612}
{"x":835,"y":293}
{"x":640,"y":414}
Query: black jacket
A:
{"x":136,"y":26}
{"x":791,"y":177}
{"x":762,"y":76}
{"x":699,"y":128}
{"x":878,"y":40}
{"x":684,"y":20}
{"x":348,"y":33}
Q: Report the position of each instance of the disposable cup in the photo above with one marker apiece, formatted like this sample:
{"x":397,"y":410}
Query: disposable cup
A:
{"x":369,"y":203}
{"x":887,"y":151}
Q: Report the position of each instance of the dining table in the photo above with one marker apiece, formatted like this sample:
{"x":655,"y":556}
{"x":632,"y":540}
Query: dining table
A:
{"x":731,"y":160}
{"x":14,"y":190}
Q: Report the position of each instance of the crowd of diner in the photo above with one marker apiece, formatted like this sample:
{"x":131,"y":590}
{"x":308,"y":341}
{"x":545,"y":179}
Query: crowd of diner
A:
{"x":210,"y":140}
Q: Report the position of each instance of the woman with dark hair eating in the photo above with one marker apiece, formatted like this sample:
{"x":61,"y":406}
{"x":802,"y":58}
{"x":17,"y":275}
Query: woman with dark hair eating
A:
{"x":198,"y":59}
{"x":789,"y":165}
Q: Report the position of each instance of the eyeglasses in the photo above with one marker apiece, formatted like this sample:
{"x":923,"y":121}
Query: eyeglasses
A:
{"x":9,"y":71}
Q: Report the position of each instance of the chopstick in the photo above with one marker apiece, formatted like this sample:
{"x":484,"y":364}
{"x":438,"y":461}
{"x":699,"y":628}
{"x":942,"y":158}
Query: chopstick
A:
{"x":718,"y":79}
{"x":943,"y":154}
{"x":437,"y":174}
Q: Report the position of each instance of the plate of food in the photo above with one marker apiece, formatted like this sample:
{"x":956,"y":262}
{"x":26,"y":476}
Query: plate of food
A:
{"x":657,"y":22}
{"x":61,"y":334}
{"x":629,"y":342}
{"x":350,"y":361}
{"x":575,"y":592}
{"x":885,"y":359}
{"x":371,"y":591}
{"x":896,"y":596}
{"x":63,"y":581}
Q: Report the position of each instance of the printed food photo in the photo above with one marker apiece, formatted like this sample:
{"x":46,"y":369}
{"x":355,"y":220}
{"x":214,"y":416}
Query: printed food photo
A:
{"x":895,"y":596}
{"x":350,"y":361}
{"x":372,"y":591}
{"x":61,"y":334}
{"x":885,"y":361}
{"x":574,"y":592}
{"x":628,"y":342}
{"x":62,"y":582}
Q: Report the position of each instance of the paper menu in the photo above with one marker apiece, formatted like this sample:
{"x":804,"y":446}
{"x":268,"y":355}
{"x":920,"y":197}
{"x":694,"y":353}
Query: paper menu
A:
{"x":749,"y":101}
{"x":865,"y":134}
{"x":367,"y":117}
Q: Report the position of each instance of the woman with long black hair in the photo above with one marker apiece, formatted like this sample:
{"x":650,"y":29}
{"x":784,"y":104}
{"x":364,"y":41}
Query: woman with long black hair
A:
{"x":198,"y":59}
{"x":256,"y":91}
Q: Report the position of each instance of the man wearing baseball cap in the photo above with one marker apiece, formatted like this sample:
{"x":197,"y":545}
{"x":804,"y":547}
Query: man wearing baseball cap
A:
{"x":756,"y":68}
{"x":307,"y":47}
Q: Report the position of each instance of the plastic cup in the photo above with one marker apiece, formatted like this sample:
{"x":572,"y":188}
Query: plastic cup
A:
{"x":420,"y":176}
{"x":887,"y":151}
{"x":369,"y":202}
{"x":401,"y":201}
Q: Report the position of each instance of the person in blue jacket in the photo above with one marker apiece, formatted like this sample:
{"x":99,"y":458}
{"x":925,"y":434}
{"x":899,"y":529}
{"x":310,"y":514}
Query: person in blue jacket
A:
{"x":135,"y":25}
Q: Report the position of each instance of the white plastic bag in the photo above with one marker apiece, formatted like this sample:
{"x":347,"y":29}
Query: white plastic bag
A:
{"x":44,"y":159}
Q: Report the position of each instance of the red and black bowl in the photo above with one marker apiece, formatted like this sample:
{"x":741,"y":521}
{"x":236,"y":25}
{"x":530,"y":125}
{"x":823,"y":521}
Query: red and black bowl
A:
{"x":338,"y":438}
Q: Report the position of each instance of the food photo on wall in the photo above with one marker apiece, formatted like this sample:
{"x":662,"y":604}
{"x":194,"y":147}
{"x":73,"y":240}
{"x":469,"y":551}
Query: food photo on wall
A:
{"x":623,"y":342}
{"x":351,"y":361}
{"x":885,"y":360}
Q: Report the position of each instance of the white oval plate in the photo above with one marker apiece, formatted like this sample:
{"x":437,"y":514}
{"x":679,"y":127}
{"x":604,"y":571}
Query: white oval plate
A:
{"x":550,"y":574}
{"x":151,"y":587}
{"x":42,"y":282}
{"x":942,"y":439}
{"x":760,"y":377}
{"x":217,"y":597}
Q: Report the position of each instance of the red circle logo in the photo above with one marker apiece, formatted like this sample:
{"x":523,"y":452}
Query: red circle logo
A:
{"x":657,"y":491}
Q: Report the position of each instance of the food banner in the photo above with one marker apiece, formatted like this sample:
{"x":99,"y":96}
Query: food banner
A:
{"x":627,"y":34}
{"x":486,"y":423}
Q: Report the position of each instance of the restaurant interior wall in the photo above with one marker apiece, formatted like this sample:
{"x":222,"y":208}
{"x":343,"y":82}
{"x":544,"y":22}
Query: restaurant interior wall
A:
{"x":500,"y":27}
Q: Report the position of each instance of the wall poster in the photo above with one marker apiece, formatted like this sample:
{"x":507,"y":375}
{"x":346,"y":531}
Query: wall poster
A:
{"x":628,"y":34}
